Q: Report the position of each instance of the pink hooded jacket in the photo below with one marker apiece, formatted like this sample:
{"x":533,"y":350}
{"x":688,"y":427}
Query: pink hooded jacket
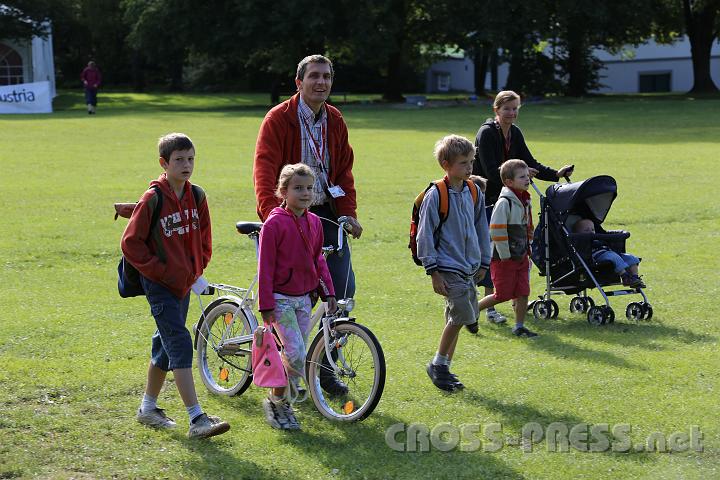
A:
{"x":289,"y":264}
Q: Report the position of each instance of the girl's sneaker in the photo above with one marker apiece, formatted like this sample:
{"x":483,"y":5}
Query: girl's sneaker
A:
{"x":280,"y":415}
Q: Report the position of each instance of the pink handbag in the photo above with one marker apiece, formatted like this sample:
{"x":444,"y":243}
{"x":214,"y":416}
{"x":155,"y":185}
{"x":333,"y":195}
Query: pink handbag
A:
{"x":268,"y":369}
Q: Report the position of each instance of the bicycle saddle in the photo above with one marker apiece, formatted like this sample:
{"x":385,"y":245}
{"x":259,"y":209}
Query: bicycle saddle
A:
{"x":248,"y":227}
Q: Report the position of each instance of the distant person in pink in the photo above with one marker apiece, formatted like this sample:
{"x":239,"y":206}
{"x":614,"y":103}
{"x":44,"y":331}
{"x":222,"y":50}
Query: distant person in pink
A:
{"x":91,"y":78}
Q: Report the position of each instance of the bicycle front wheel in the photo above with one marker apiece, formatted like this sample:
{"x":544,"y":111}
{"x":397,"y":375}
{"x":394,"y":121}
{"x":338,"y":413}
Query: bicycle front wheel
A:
{"x":224,"y":350}
{"x":361,"y":362}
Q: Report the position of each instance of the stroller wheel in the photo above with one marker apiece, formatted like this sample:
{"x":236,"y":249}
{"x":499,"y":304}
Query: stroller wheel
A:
{"x":543,"y":309}
{"x":635,"y":311}
{"x":596,"y":316}
{"x":555,"y":310}
{"x":577,"y":304}
{"x":609,"y":314}
{"x":581,"y":304}
{"x":647,"y":311}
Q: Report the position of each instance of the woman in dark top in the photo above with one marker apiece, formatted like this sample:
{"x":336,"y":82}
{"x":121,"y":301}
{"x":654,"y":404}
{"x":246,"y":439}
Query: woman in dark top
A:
{"x":498,"y":140}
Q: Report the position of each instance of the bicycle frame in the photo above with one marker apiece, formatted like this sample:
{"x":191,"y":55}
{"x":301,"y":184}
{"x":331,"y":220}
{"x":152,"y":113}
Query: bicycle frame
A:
{"x":246,"y":297}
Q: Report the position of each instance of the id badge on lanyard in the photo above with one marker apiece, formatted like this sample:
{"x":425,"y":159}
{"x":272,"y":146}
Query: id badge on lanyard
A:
{"x":318,"y":152}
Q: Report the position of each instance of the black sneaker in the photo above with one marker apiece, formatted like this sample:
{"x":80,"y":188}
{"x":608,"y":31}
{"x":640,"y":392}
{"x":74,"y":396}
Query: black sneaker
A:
{"x":524,"y":332}
{"x":472,"y":328}
{"x":456,"y":381}
{"x":440,"y":377}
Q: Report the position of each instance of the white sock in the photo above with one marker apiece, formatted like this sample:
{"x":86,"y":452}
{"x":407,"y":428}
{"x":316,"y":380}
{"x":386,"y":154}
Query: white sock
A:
{"x":148,"y":403}
{"x":439,"y":359}
{"x":194,"y":411}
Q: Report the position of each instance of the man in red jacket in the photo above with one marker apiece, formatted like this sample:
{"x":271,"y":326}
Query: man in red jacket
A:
{"x":306,"y":129}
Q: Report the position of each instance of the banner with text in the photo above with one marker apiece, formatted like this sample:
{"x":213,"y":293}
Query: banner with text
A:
{"x":26,"y":98}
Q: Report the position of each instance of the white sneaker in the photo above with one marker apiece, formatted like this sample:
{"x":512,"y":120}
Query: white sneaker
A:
{"x":207,"y":426}
{"x":493,"y":316}
{"x":155,"y":418}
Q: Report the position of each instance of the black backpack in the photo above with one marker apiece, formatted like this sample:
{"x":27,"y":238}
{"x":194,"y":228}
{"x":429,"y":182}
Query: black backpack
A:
{"x":129,"y":284}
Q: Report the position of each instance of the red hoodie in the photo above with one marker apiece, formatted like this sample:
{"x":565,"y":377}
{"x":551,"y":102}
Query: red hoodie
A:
{"x":181,"y":244}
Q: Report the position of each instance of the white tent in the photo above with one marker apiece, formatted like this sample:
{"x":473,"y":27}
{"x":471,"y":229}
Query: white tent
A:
{"x":37,"y":59}
{"x":43,"y":66}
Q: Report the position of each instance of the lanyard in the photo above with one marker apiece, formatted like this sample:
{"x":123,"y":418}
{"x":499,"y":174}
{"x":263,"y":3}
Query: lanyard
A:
{"x":317,"y":149}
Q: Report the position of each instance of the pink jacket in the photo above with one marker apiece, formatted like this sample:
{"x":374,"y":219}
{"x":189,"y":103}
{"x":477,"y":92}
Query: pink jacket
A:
{"x":287,"y":264}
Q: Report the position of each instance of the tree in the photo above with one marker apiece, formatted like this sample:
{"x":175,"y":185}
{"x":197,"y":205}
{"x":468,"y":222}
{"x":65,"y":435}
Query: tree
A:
{"x":576,"y":27}
{"x":22,"y":19}
{"x":702,"y":24}
{"x":160,"y":32}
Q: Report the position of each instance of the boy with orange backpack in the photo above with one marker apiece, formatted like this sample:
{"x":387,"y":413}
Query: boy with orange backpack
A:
{"x":457,"y":255}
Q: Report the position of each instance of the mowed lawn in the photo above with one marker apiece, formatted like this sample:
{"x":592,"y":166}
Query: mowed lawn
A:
{"x":73,"y":354}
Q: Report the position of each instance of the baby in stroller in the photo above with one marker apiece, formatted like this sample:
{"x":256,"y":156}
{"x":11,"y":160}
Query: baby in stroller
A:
{"x":625,"y":264}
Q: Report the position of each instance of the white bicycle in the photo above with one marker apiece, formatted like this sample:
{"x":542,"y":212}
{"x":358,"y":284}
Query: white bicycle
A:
{"x":342,"y":347}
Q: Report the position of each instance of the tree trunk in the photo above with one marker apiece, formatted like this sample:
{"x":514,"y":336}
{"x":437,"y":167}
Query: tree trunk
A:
{"x":575,"y":67}
{"x":481,"y":57}
{"x":494,"y":70}
{"x":138,"y":72}
{"x":176,"y":74}
{"x":700,"y":26}
{"x":515,"y":70}
{"x":394,"y":83}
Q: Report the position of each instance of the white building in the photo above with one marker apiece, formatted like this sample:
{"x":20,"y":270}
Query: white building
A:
{"x":27,"y":62}
{"x":650,"y":67}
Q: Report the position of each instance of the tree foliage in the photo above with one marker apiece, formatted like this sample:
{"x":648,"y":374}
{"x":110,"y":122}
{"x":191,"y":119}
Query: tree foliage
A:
{"x":378,"y":45}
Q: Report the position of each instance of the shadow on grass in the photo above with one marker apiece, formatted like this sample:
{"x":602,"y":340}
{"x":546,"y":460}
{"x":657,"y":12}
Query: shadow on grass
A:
{"x":217,"y":459}
{"x":554,"y":345}
{"x":359,"y":450}
{"x":514,"y":417}
{"x":644,"y":334}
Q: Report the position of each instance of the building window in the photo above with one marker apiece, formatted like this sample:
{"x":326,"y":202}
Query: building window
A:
{"x":11,"y":67}
{"x":654,"y":82}
{"x":443,"y":82}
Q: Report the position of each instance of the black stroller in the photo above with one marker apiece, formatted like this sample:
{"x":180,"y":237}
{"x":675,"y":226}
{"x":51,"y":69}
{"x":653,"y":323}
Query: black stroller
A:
{"x":565,"y":258}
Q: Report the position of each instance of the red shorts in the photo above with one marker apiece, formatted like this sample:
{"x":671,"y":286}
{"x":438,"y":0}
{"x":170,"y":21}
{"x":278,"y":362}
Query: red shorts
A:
{"x":510,"y":278}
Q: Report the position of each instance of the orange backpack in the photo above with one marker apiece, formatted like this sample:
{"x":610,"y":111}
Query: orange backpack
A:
{"x":443,"y":207}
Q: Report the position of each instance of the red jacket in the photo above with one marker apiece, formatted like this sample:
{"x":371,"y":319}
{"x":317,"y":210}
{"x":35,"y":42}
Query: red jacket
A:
{"x":179,"y":250}
{"x":91,"y":77}
{"x":286,"y":264}
{"x":279,"y":144}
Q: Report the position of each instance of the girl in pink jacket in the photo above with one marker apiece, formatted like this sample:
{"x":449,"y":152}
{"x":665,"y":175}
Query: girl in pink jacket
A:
{"x":291,"y":267}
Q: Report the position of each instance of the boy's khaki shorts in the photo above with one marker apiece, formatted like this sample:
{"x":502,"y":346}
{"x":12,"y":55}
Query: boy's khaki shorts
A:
{"x":461,"y":304}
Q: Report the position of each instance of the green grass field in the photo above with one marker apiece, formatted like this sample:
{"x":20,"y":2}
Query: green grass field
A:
{"x":74,"y":354}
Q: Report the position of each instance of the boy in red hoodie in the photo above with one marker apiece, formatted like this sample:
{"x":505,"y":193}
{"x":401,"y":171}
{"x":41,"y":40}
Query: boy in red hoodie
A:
{"x":171,"y":256}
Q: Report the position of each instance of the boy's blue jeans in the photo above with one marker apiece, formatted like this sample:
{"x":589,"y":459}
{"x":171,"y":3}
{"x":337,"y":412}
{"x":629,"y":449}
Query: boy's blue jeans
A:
{"x":620,"y":261}
{"x":172,"y":345}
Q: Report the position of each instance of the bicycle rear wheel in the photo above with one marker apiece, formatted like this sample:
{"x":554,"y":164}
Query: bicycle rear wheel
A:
{"x":362,"y":367}
{"x":225,"y":368}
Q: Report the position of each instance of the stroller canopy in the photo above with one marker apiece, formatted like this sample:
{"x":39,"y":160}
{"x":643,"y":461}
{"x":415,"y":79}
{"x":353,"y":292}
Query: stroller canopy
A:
{"x":591,"y":198}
